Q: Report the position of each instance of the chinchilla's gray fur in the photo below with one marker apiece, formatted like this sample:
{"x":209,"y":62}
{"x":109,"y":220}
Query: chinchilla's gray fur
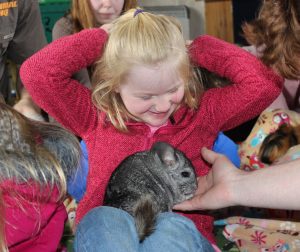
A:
{"x":149,"y":182}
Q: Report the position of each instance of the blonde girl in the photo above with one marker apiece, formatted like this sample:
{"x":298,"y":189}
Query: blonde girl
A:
{"x":144,"y":92}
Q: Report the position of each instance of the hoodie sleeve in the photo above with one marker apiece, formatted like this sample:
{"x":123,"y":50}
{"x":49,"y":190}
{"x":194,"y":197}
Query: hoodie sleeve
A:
{"x":253,"y":85}
{"x":47,"y":76}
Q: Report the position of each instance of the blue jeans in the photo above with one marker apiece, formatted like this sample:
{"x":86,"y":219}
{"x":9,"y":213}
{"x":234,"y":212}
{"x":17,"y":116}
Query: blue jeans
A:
{"x":109,"y":229}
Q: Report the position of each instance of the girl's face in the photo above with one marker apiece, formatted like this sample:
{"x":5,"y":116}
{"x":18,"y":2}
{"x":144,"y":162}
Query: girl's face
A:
{"x":105,"y":11}
{"x":152,"y":93}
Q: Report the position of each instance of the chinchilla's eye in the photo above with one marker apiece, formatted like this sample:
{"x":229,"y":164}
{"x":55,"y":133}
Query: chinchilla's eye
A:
{"x":185,"y":174}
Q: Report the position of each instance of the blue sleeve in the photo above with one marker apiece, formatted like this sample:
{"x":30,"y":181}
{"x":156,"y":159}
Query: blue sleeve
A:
{"x":77,"y":184}
{"x":224,"y":145}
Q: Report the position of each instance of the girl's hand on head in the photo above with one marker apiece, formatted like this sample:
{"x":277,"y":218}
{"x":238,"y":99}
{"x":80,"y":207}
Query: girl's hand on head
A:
{"x":215,"y":189}
{"x":188,"y":43}
{"x":106,"y":27}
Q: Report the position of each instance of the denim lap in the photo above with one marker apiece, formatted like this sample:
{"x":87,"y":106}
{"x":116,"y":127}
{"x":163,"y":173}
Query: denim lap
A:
{"x":106,"y":229}
{"x":109,"y":229}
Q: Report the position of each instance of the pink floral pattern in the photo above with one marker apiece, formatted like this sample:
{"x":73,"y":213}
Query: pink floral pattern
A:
{"x":263,"y":235}
{"x":259,"y":237}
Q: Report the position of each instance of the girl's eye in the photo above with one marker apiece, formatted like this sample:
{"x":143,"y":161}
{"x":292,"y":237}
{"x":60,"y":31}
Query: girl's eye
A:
{"x":145,"y":98}
{"x":174,"y":90}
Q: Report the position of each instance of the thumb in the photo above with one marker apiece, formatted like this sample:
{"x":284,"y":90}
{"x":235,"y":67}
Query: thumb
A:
{"x":208,"y":155}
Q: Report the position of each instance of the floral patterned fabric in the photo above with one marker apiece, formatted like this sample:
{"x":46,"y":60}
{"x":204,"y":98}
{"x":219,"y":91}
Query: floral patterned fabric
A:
{"x":262,"y":235}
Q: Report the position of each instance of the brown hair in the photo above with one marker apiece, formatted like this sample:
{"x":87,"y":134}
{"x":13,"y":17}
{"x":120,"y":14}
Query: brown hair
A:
{"x":276,"y":144}
{"x":82,"y":16}
{"x":276,"y":32}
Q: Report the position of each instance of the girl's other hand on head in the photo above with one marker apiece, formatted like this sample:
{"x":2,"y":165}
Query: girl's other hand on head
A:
{"x":188,"y":42}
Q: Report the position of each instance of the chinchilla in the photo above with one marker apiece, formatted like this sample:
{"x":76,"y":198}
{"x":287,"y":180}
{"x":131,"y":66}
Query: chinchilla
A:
{"x":150,"y":182}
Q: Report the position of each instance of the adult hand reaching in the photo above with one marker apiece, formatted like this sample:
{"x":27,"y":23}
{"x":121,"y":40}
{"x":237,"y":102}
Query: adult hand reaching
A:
{"x":214,"y":189}
{"x":276,"y":186}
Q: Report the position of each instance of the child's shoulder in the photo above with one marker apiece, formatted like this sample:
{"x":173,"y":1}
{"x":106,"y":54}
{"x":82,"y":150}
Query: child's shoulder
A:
{"x":62,"y":27}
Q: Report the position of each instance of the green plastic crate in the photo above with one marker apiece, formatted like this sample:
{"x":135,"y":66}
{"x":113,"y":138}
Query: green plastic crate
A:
{"x":51,"y":11}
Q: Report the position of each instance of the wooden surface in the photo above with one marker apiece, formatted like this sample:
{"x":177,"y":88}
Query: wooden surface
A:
{"x":219,"y":19}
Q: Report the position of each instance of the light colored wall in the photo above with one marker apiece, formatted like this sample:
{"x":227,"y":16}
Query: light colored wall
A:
{"x":196,"y":9}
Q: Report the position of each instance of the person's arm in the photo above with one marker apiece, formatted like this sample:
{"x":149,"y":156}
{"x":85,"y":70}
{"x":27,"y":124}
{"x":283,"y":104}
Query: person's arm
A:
{"x":29,"y":37}
{"x":62,"y":27}
{"x":275,"y":187}
{"x":27,"y":107}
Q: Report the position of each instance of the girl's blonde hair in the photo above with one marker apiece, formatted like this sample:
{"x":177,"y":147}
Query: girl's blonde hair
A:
{"x":37,"y":154}
{"x":140,"y":38}
{"x":82,"y":16}
{"x":277,"y":31}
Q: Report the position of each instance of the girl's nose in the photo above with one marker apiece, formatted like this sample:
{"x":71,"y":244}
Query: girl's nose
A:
{"x":162,"y":104}
{"x":106,"y":3}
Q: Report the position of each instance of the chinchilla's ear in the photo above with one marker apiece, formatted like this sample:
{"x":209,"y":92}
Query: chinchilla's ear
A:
{"x":166,"y":154}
